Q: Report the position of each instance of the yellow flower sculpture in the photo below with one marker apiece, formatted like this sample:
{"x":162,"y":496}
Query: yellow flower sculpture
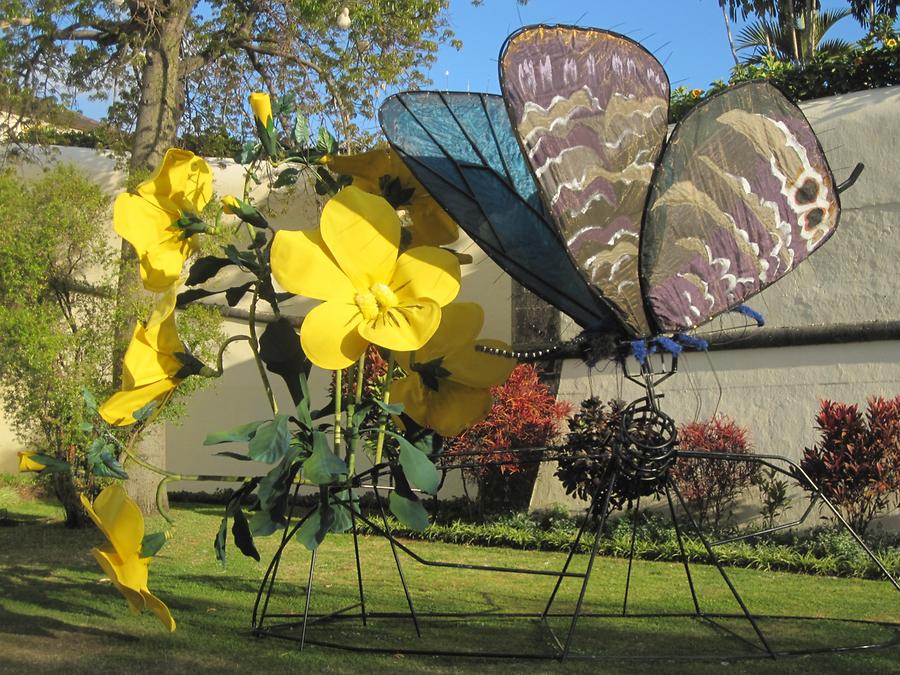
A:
{"x":431,"y":225}
{"x":447,"y":386}
{"x":371,"y":295}
{"x":150,"y":365}
{"x":261,"y":105}
{"x":146,"y":217}
{"x":28,"y":463}
{"x":120,"y":519}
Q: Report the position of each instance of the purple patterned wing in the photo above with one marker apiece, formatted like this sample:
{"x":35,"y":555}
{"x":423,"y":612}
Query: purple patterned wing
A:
{"x":590,"y":110}
{"x":742,"y":195}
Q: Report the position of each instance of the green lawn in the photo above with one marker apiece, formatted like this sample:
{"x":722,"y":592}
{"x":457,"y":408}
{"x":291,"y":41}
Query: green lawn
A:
{"x":57,"y":614}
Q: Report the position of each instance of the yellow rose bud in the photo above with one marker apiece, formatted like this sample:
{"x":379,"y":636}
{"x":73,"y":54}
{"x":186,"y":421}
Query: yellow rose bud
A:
{"x":26,"y":463}
{"x":231,"y":205}
{"x":262,"y":107}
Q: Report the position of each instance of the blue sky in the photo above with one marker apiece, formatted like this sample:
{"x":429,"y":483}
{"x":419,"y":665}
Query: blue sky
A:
{"x":688,"y":36}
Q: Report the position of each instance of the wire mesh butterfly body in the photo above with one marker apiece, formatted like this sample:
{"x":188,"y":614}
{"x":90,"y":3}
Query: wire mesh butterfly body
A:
{"x":568,"y":182}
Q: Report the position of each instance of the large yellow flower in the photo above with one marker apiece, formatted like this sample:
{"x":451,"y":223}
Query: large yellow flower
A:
{"x":150,"y":365}
{"x":28,"y":463}
{"x":431,"y":225}
{"x":120,"y":519}
{"x":146,"y":217}
{"x":371,"y":295}
{"x":448,"y":380}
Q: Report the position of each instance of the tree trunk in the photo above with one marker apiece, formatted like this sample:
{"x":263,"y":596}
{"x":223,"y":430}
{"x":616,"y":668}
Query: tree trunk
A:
{"x":67,"y":494}
{"x":730,"y":36}
{"x":159,"y":112}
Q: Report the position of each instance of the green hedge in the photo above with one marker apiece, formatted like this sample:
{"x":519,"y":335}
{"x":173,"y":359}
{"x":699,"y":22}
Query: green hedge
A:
{"x":822,"y":551}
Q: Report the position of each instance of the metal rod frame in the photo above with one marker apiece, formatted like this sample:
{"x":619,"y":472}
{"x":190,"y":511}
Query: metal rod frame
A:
{"x":596,"y":514}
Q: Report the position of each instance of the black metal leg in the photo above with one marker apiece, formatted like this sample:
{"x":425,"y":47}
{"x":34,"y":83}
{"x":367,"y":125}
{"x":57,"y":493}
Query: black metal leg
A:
{"x":572,"y":550}
{"x":359,"y":579}
{"x":715,"y":559}
{"x":387,"y":528}
{"x":587,"y":573}
{"x":684,"y":559}
{"x":309,"y":583}
{"x":634,"y":521}
{"x":268,"y":582}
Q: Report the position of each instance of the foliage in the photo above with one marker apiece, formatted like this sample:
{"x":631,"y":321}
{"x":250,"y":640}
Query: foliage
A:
{"x":55,"y":326}
{"x":826,"y":552}
{"x":525,"y":414}
{"x":712,"y":487}
{"x":873,"y":62}
{"x":768,"y":37}
{"x":219,"y":49}
{"x":856,"y":463}
{"x":774,"y":495}
{"x":508,"y":443}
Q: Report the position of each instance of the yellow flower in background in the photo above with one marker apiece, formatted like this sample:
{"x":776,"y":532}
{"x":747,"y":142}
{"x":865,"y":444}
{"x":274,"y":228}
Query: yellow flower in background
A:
{"x":150,"y":365}
{"x":890,"y":43}
{"x":448,"y":380}
{"x":261,"y":105}
{"x":120,"y":519}
{"x":146,"y":217}
{"x":28,"y":463}
{"x":431,"y":225}
{"x":696,"y":93}
{"x":371,"y":295}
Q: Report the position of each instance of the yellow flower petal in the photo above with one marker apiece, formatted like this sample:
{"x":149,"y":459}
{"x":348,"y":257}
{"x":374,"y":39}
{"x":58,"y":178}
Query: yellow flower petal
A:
{"x":302,"y":264}
{"x":432,"y":226}
{"x":477,"y":369}
{"x":404,"y":328}
{"x":261,"y":105}
{"x":329,"y":335}
{"x":159,"y":608}
{"x":182,"y":183}
{"x":162,"y":265}
{"x":165,"y":307}
{"x":111,"y":565}
{"x":119,"y":408}
{"x":150,"y":354}
{"x":119,"y":518}
{"x":427,"y":272}
{"x":448,"y":411}
{"x":362,"y":233}
{"x":460,"y":324}
{"x":367,"y":168}
{"x":26,"y":463}
{"x":143,"y":224}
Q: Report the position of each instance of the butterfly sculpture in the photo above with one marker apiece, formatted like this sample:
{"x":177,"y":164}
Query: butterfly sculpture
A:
{"x":569,"y":183}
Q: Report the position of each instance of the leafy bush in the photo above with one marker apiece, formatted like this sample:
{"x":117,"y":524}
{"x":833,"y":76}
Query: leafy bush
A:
{"x":525,"y":414}
{"x":711,"y":487}
{"x":856,"y":463}
{"x":873,"y":62}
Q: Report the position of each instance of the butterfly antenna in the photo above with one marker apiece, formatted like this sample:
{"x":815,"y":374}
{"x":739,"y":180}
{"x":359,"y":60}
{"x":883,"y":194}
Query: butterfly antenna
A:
{"x":852,"y":178}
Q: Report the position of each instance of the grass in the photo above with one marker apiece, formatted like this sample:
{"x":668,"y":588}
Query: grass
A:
{"x":57,"y":614}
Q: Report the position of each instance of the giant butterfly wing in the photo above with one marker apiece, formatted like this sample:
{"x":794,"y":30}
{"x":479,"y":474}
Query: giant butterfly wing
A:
{"x":742,"y":195}
{"x":462,"y":149}
{"x":589,"y":107}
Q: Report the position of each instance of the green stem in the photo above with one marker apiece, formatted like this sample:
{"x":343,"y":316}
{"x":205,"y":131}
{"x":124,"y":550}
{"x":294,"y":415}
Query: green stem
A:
{"x":338,"y":395}
{"x":386,"y":397}
{"x":351,"y":413}
{"x":254,"y":345}
{"x":220,"y":368}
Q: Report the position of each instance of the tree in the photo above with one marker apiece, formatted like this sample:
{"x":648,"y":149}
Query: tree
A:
{"x":173,"y":65}
{"x":787,"y":29}
{"x":767,"y":37}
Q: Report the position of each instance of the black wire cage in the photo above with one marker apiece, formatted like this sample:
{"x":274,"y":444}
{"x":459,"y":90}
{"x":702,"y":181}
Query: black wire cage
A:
{"x":644,"y":453}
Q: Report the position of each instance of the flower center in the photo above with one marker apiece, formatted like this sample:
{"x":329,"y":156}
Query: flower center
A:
{"x":377,"y":300}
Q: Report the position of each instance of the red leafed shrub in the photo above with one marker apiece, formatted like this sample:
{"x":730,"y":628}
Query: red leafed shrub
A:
{"x":525,"y":414}
{"x":856,"y":462}
{"x":711,"y":487}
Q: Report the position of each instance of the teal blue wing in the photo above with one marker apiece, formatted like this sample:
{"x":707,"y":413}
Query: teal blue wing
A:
{"x":462,"y":148}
